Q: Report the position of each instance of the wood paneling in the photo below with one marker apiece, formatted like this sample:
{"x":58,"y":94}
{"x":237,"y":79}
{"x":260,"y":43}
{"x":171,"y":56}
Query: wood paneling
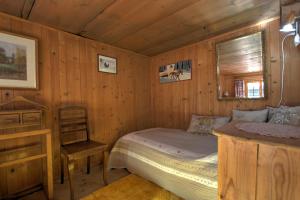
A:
{"x":117,"y":104}
{"x":71,"y":16}
{"x":116,"y":23}
{"x":237,"y":163}
{"x":173,"y":103}
{"x":13,"y":8}
{"x":282,"y":182}
{"x":258,"y":167}
{"x":205,"y":31}
{"x":197,"y":17}
{"x":134,"y":99}
{"x":292,"y":83}
{"x":149,"y":26}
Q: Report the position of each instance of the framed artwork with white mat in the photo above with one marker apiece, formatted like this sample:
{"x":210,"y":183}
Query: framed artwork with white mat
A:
{"x":107,"y":64}
{"x":18,"y":61}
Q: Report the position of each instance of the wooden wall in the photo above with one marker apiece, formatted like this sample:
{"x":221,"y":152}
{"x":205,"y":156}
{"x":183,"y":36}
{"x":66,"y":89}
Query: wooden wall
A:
{"x":120,"y":103}
{"x":173,"y":103}
{"x":68,"y":73}
{"x":292,"y":83}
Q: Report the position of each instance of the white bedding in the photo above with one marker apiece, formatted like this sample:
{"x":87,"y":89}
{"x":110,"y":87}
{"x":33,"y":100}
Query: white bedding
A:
{"x":183,"y":163}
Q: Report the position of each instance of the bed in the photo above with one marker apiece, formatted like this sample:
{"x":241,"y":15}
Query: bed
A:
{"x":183,"y":163}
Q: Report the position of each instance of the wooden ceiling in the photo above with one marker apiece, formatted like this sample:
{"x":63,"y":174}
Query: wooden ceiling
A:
{"x":145,"y":26}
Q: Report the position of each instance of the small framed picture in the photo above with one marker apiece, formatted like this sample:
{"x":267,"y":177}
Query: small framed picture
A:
{"x":107,"y":64}
{"x":179,"y":71}
{"x":18,"y":61}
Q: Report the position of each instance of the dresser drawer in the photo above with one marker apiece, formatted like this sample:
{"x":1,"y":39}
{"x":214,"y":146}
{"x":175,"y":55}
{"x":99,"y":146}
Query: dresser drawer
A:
{"x":9,"y":120}
{"x":31,"y":118}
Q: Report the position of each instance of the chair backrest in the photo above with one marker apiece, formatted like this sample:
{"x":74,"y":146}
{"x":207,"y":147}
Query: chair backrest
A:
{"x":73,"y":124}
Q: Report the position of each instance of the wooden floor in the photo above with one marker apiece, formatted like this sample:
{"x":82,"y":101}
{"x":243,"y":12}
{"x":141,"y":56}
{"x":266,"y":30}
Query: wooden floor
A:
{"x":84,"y":184}
{"x":132,"y":187}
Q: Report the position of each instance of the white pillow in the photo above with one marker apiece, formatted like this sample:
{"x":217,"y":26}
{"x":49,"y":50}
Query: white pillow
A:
{"x":205,"y":124}
{"x":250,"y":116}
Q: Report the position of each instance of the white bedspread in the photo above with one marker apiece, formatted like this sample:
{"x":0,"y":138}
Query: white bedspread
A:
{"x":183,"y":163}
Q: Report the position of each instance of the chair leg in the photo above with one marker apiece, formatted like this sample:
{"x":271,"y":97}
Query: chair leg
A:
{"x":88,"y":164}
{"x":62,"y":170}
{"x":105,"y":171}
{"x":71,"y":167}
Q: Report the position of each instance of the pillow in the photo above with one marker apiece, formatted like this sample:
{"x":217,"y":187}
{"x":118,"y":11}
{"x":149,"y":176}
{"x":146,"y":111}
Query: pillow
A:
{"x":250,"y":116}
{"x":286,"y":116}
{"x":272,"y":110}
{"x":205,"y":124}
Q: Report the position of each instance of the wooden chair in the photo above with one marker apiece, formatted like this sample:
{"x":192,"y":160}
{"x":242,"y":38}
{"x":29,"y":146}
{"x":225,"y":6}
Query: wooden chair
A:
{"x":75,"y":141}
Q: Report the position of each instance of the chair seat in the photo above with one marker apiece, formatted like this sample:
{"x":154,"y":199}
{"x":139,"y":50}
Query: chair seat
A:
{"x":80,"y":150}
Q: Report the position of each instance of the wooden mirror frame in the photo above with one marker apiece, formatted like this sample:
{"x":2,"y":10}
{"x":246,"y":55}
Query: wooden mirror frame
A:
{"x":264,"y":67}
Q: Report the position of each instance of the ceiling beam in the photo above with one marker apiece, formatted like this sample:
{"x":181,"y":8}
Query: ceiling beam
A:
{"x":27,"y":8}
{"x":83,"y":32}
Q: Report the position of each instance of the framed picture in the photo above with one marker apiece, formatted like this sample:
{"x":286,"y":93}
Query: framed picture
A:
{"x":179,"y":71}
{"x":18,"y":61}
{"x":107,"y":64}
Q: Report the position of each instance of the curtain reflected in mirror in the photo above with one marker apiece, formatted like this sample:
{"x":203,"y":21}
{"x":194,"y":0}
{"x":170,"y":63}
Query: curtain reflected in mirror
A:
{"x":241,"y":67}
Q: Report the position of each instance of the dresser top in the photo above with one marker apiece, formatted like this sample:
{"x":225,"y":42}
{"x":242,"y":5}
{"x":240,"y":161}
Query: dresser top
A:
{"x":231,"y":131}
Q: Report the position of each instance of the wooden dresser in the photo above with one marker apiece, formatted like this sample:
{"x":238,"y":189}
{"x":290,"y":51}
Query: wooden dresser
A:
{"x":256,"y":167}
{"x":25,"y":150}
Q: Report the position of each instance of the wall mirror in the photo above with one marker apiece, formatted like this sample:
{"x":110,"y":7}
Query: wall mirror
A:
{"x":241,"y":72}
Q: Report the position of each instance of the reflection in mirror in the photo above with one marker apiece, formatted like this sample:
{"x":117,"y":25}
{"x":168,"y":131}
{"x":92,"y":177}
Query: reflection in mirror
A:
{"x":240,"y":68}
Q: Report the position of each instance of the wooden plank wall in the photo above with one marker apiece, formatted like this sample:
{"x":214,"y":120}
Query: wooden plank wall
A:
{"x":117,"y":104}
{"x":173,"y":103}
{"x":291,"y":92}
{"x":232,"y":183}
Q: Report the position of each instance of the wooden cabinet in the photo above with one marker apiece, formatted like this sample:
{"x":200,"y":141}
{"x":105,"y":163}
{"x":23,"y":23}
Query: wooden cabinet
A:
{"x":278,"y":173}
{"x":17,"y":183}
{"x":257,"y":169}
{"x":25,"y":150}
{"x":236,"y":169}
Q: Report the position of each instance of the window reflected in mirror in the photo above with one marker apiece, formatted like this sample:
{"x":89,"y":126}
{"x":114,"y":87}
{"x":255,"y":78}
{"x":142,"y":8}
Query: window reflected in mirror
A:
{"x":240,"y":67}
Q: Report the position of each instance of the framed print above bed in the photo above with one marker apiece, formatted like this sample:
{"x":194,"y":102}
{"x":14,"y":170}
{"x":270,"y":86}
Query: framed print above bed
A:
{"x":107,"y":64}
{"x":179,"y":71}
{"x":18,"y":61}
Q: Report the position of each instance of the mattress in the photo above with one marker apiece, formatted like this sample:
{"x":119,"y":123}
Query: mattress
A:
{"x":183,"y":163}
